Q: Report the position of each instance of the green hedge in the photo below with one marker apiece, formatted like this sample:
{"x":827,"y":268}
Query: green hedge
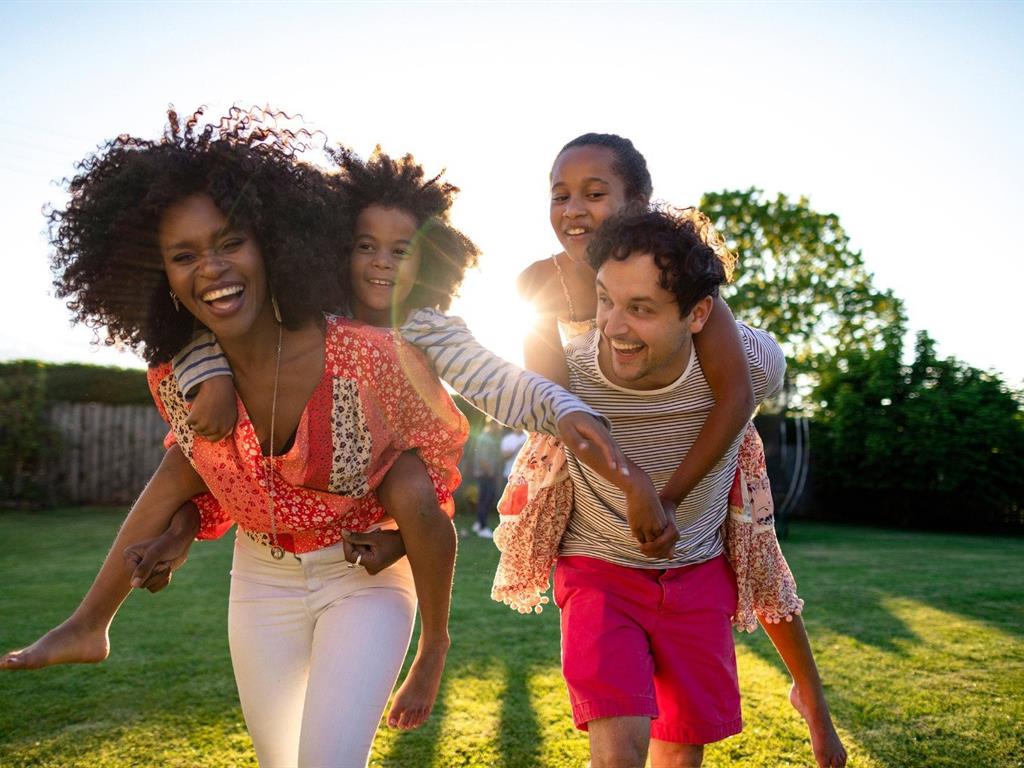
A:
{"x":81,"y":383}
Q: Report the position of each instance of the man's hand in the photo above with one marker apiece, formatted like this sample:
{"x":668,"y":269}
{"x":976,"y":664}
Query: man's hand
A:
{"x":214,"y":410}
{"x":588,"y":438}
{"x":152,"y":562}
{"x":374,"y":550}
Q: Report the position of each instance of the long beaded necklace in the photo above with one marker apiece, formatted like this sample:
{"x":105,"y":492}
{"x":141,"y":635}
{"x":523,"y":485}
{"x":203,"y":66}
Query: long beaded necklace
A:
{"x":276,"y":550}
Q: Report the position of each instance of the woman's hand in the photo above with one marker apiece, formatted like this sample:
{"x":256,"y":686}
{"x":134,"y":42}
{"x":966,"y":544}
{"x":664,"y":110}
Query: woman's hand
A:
{"x":374,"y":550}
{"x":153,"y":561}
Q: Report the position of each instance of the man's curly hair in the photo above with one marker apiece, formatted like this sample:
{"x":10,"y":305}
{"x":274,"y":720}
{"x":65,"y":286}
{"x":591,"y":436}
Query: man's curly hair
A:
{"x":690,"y":253}
{"x":445,"y":253}
{"x":106,"y":258}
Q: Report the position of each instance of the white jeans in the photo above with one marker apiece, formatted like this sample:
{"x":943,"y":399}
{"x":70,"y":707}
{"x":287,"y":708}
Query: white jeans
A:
{"x":316,"y":647}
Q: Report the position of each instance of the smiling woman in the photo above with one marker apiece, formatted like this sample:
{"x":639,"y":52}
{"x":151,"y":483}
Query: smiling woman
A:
{"x":107,"y":256}
{"x":220,"y":226}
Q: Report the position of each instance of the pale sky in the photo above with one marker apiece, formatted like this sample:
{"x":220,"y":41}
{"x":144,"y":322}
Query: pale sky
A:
{"x":904,"y":119}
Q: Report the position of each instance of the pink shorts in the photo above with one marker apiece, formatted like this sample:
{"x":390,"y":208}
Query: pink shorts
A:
{"x":651,"y":643}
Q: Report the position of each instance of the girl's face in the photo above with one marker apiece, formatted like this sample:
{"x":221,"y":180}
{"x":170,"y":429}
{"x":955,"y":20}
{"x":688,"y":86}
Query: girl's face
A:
{"x":214,"y":268}
{"x":584,"y":192}
{"x":384,"y":264}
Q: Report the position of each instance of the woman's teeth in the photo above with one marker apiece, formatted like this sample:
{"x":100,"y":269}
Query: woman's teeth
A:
{"x":221,"y":293}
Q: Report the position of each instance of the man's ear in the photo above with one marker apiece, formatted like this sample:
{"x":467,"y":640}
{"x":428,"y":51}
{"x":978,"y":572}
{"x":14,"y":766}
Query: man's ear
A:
{"x":699,"y":314}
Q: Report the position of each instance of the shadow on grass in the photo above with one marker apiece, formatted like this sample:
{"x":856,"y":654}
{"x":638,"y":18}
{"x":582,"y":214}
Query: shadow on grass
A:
{"x":912,"y":694}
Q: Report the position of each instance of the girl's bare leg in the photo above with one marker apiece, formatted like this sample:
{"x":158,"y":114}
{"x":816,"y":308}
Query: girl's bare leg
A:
{"x":408,"y":495}
{"x":807,"y":694}
{"x":83,"y":637}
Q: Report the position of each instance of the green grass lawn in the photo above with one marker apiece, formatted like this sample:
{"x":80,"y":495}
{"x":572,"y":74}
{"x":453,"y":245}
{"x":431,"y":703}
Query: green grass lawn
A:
{"x":920,"y":639}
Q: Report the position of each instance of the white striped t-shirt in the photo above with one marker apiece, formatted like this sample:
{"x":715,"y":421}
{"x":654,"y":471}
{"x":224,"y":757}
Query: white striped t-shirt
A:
{"x":656,"y":428}
{"x":520,"y":399}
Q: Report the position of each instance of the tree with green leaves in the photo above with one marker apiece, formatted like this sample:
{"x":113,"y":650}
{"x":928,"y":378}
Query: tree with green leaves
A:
{"x":798,"y":278}
{"x":936,"y":442}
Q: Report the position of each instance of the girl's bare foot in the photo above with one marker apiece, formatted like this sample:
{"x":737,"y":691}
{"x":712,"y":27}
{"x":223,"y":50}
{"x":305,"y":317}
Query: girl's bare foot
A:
{"x":69,"y":643}
{"x":415,"y":698}
{"x":828,"y":749}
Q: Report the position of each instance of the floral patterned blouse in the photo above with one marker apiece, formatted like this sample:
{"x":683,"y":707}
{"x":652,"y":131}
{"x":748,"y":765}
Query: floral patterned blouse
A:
{"x":376,"y":399}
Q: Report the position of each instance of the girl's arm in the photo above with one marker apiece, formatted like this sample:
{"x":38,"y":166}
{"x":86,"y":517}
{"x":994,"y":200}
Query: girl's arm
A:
{"x":205,"y":377}
{"x":542,"y":347}
{"x":83,"y":636}
{"x":723,"y":359}
{"x":509,"y":394}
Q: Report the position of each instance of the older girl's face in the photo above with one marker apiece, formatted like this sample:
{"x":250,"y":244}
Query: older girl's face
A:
{"x":215,"y":269}
{"x":384,"y":264}
{"x":585,"y":190}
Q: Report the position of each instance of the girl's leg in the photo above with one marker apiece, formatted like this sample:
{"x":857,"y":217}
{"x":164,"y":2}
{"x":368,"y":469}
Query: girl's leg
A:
{"x":270,"y":631}
{"x":408,"y":495}
{"x":807,"y":694}
{"x":83,"y":637}
{"x":359,"y":643}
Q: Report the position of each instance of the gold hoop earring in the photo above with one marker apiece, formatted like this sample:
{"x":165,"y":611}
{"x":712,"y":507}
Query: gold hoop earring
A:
{"x":174,"y":299}
{"x":277,"y":310}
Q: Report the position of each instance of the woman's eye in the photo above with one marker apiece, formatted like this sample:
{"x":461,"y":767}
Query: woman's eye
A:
{"x":559,"y":199}
{"x":182,"y":258}
{"x":233,"y":244}
{"x":596,"y":195}
{"x":603,"y":301}
{"x":401,"y":253}
{"x":364,"y":247}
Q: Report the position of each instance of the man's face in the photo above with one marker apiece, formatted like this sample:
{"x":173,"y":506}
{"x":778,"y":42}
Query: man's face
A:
{"x":644,"y":343}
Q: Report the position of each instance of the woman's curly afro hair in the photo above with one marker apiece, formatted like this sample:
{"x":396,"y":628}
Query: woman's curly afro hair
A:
{"x":106,"y":259}
{"x":445,"y":253}
{"x":688,"y":250}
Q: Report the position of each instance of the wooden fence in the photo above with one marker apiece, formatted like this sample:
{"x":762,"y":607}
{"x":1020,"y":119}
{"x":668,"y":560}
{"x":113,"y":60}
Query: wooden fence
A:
{"x":106,"y":453}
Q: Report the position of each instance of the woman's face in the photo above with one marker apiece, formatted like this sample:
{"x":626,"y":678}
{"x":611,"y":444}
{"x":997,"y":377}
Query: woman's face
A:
{"x":214,"y":268}
{"x":585,"y":191}
{"x":384,"y":264}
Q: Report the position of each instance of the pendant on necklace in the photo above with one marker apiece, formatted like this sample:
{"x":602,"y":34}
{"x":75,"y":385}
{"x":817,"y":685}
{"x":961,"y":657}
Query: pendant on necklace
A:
{"x":277,"y":552}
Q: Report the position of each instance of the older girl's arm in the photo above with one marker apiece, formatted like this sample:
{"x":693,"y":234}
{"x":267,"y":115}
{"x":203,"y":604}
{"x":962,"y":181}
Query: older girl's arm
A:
{"x":723,"y":359}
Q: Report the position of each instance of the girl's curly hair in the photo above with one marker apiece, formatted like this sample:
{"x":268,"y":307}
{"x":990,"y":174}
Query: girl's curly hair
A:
{"x":106,"y":259}
{"x":445,"y":253}
{"x":691,"y":255}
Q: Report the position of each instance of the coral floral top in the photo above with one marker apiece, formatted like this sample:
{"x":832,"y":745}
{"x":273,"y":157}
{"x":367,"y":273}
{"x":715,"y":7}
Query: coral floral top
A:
{"x":376,"y":399}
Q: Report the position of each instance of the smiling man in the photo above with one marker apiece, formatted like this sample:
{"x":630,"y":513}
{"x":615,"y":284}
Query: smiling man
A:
{"x":647,"y":648}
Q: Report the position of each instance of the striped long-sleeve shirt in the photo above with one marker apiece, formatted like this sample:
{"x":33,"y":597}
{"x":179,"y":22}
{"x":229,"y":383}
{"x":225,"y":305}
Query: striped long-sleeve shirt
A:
{"x":656,"y":428}
{"x":504,"y":391}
